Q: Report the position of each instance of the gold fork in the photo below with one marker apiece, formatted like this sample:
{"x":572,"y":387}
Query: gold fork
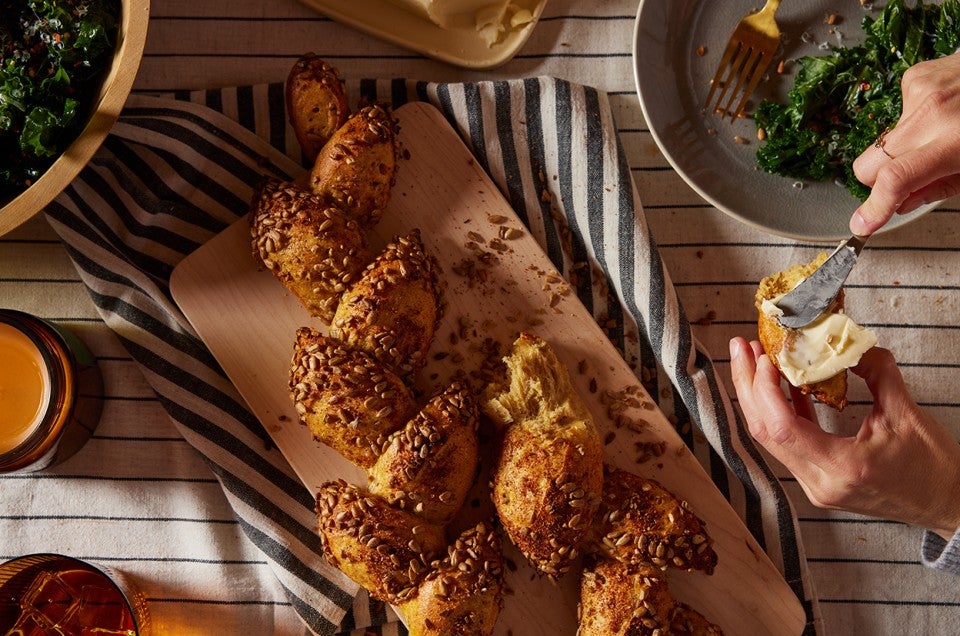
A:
{"x":746,"y":58}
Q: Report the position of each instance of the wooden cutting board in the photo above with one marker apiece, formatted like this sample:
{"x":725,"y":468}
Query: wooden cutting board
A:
{"x":248,"y":320}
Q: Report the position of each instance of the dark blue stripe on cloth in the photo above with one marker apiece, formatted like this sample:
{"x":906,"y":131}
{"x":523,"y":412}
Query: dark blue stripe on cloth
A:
{"x":474,"y":104}
{"x":246,"y":113}
{"x":538,"y":162}
{"x":505,"y":118}
{"x":213,"y":98}
{"x":277,"y":116}
{"x":565,"y":108}
{"x":399,"y":92}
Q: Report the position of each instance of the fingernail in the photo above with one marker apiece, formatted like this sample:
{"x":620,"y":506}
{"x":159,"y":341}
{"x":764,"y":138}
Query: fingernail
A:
{"x":859,"y":225}
{"x":736,"y":349}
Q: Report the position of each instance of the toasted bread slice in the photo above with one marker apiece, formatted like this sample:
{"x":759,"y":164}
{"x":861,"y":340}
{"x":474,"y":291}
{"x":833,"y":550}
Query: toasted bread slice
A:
{"x":773,"y":336}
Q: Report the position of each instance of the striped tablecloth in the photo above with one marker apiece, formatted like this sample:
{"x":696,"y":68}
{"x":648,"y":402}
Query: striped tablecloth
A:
{"x":140,"y":498}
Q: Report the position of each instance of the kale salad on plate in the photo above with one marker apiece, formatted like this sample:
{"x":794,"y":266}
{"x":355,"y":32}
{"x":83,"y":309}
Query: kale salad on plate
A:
{"x":53,"y":56}
{"x":841,"y":102}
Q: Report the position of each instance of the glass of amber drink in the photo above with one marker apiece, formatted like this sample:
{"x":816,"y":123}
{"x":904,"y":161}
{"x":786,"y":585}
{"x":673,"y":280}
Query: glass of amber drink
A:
{"x":50,"y":393}
{"x":52,"y":594}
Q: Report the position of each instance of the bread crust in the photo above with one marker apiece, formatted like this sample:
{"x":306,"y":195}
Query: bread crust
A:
{"x":773,"y":336}
{"x":548,"y":470}
{"x":619,"y":599}
{"x":393,"y":309}
{"x":356,"y":169}
{"x":315,"y":250}
{"x":462,"y":594}
{"x":316,"y":103}
{"x":430,"y":464}
{"x":687,"y":621}
{"x":349,"y":400}
{"x":385,"y":550}
{"x":641,"y":522}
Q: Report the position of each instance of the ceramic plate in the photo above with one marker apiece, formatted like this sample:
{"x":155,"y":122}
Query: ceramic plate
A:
{"x":672,"y":82}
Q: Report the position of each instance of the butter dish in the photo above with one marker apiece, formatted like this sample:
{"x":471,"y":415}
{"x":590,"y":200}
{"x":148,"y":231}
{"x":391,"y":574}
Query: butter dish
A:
{"x":455,"y":40}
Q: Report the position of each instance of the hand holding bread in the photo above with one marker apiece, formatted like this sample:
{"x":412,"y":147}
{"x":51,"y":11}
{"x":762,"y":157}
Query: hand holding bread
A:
{"x":865,"y":473}
{"x":883,"y":470}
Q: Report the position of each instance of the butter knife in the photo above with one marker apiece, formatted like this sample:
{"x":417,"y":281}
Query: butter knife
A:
{"x":813,"y":296}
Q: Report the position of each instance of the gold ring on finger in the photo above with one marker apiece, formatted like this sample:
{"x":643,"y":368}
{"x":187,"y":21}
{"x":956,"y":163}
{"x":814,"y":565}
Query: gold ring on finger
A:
{"x":881,"y":143}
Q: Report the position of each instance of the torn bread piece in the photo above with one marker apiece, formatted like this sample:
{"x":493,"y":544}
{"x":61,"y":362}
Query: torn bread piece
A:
{"x":814,"y":358}
{"x":547,"y":476}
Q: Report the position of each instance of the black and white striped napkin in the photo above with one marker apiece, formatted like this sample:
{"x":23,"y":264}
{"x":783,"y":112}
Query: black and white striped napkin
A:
{"x":177,"y":170}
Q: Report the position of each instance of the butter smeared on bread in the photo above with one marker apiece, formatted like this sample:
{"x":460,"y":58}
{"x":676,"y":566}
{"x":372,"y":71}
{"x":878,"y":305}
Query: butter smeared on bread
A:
{"x":814,"y":358}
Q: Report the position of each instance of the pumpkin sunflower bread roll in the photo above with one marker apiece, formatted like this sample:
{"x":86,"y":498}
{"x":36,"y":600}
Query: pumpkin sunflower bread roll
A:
{"x":548,"y":469}
{"x":640,"y":531}
{"x":618,"y":599}
{"x":393,"y":309}
{"x":357,"y":167}
{"x":641,"y":522}
{"x":462,"y":594}
{"x":385,"y":550}
{"x":349,"y":400}
{"x":316,"y":103}
{"x":429,"y":465}
{"x":314,"y":249}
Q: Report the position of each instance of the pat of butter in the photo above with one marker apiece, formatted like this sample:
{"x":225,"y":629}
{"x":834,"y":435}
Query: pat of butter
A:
{"x":490,"y":18}
{"x":822,"y":349}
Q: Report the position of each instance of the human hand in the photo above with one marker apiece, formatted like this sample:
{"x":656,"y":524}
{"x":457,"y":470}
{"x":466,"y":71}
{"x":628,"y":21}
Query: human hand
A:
{"x":920,"y":158}
{"x":901,"y":464}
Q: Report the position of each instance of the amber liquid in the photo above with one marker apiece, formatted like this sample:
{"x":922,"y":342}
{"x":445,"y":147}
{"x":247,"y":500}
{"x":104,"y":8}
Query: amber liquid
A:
{"x":67,"y":601}
{"x":24,"y":390}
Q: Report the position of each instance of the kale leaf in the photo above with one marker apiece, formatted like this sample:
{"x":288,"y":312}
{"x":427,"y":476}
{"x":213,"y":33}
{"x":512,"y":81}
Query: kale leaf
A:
{"x":53,"y":54}
{"x":841,"y":102}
